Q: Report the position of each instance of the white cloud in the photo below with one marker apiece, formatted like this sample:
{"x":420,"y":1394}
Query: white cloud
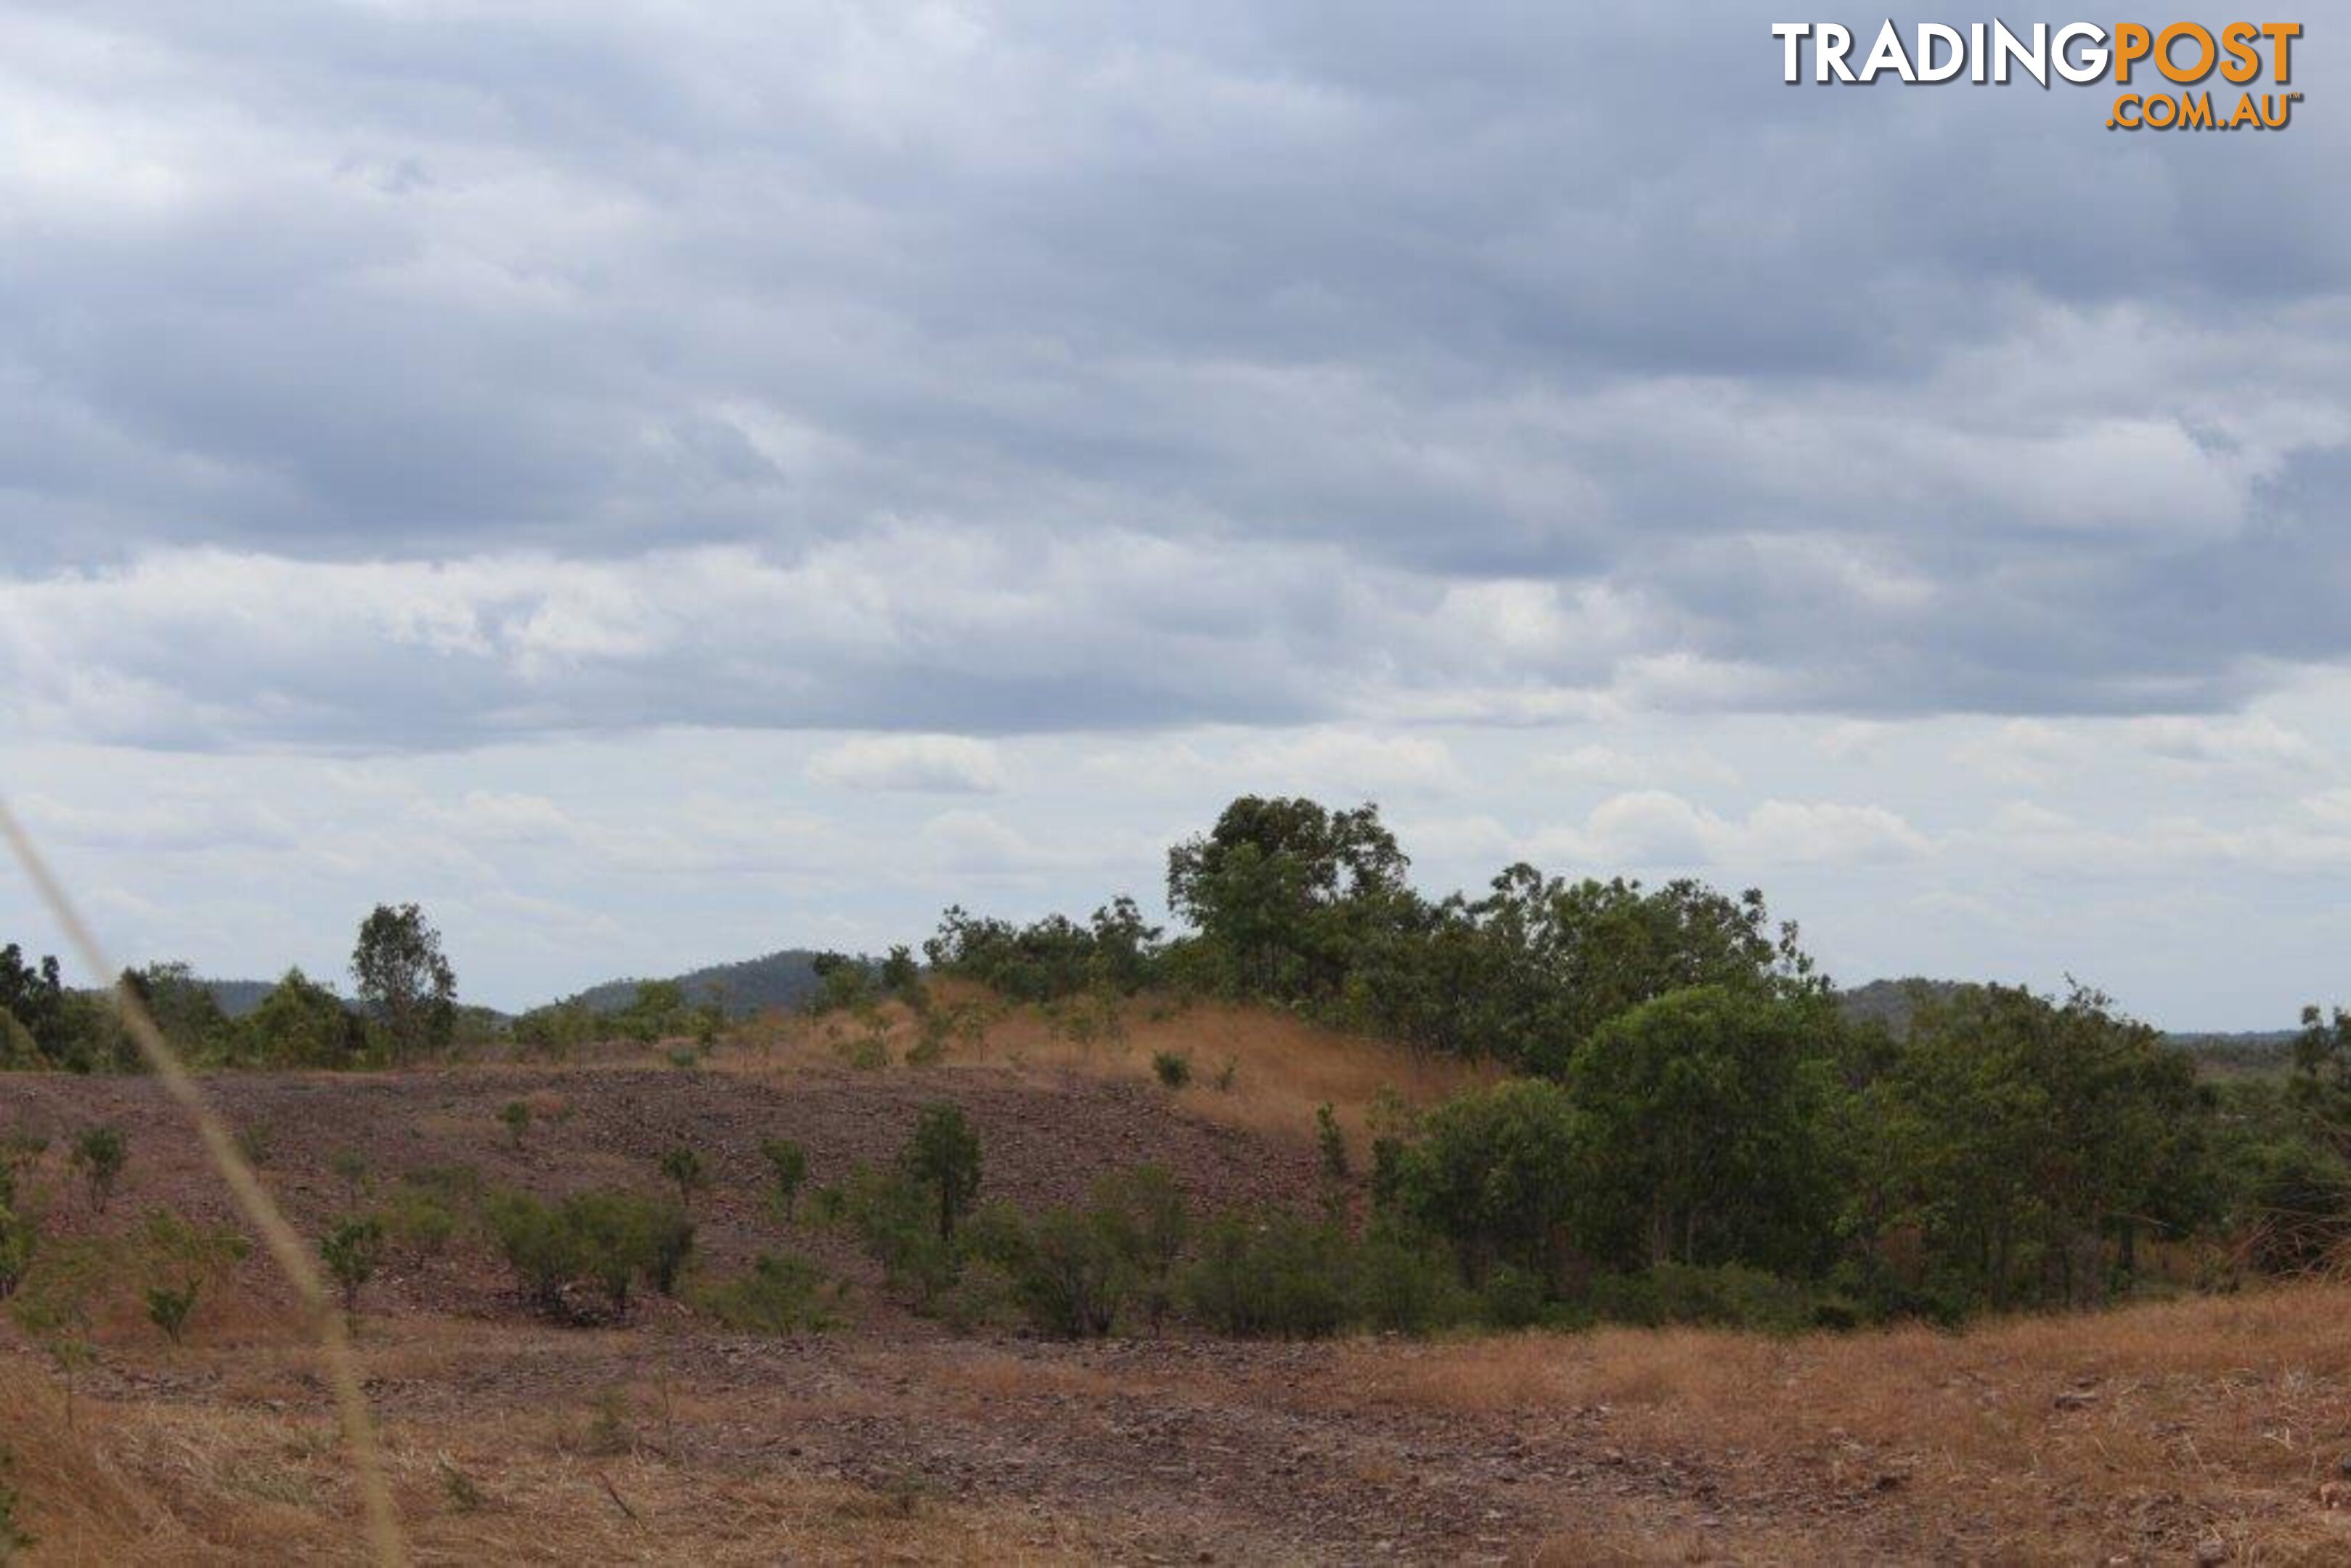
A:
{"x":917,"y":764}
{"x":1658,"y":829}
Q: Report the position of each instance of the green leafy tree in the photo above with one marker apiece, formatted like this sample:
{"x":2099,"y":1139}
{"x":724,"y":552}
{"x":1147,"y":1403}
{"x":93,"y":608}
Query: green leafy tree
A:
{"x":942,"y":1157}
{"x":1284,"y":891}
{"x":405,"y":981}
{"x":2029,"y":1142}
{"x":301,"y":1023}
{"x":1498,"y":1172}
{"x":2322,"y":1067}
{"x":34,"y":994}
{"x":185,"y":1009}
{"x":1708,"y":1120}
{"x":19,"y":1051}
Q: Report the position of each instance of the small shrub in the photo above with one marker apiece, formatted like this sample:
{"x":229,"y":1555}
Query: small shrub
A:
{"x":896,"y":1218}
{"x":419,"y":1221}
{"x":603,"y":1239}
{"x":168,"y":1307}
{"x":943,"y":1156}
{"x":99,"y":1156}
{"x":253,"y":1143}
{"x":19,"y":1235}
{"x":515,"y":1116}
{"x":1068,"y":1273}
{"x":14,"y":1537}
{"x":464,"y":1492}
{"x":1331,"y":1143}
{"x":1407,"y":1285}
{"x":1729,"y":1296}
{"x":57,"y":1305}
{"x":685,"y":1058}
{"x":181,"y":1260}
{"x":351,"y":1252}
{"x":1228,"y":1074}
{"x":779,"y":1295}
{"x":868,"y":1051}
{"x":937,"y":1026}
{"x":350,"y":1168}
{"x":1173,"y":1068}
{"x":1512,"y":1298}
{"x":1271,"y":1274}
{"x":683,"y":1166}
{"x":1146,"y":1212}
{"x":609,"y":1431}
{"x":788,"y":1165}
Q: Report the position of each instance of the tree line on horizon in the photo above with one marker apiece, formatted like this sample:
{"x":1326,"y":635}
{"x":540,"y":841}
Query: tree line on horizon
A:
{"x":1685,"y":1094}
{"x":1684,"y":1097}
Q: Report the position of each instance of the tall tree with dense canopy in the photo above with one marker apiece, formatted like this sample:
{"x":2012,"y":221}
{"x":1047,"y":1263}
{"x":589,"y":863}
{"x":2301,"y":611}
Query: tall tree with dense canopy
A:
{"x":406,"y":983}
{"x":1286,"y":890}
{"x":1707,"y":1124}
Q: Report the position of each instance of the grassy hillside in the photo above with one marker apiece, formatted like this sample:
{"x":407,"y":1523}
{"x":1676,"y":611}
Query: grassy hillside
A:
{"x":2153,"y":1433}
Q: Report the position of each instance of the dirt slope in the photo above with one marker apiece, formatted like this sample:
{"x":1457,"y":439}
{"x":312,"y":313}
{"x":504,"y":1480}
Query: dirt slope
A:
{"x":2211,"y":1427}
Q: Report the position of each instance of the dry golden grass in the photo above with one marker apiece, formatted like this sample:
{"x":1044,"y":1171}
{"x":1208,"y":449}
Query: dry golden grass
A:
{"x":165,"y":1482}
{"x":2220,"y":1422}
{"x":1281,"y":1069}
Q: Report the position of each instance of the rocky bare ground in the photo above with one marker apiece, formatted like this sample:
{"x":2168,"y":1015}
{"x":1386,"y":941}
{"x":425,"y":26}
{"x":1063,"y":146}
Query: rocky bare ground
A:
{"x":1164,"y":1449}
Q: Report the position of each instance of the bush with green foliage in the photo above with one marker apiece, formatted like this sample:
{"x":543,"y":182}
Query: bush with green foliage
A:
{"x":897,"y":1217}
{"x":1498,"y":1171}
{"x":604,"y":1238}
{"x":2028,"y":1143}
{"x":352,"y":1251}
{"x":302,"y":1024}
{"x":683,"y":1166}
{"x":1407,"y":1282}
{"x":1172,"y":1068}
{"x":19,"y":1237}
{"x":787,"y":1171}
{"x":97,"y":1156}
{"x":942,"y":1158}
{"x":1270,"y":1274}
{"x":1074,"y":1271}
{"x":1706,"y":1131}
{"x":784,"y":1294}
{"x":14,"y":1537}
{"x":844,"y":984}
{"x":179,"y":1259}
{"x":1056,"y":957}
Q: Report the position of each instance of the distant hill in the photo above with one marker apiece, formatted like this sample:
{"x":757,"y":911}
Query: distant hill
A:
{"x":782,"y":980}
{"x":238,"y":997}
{"x":1892,"y":1003}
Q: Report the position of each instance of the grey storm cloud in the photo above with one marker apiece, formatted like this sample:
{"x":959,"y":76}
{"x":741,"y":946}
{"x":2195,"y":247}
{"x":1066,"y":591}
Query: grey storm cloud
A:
{"x":391,"y":375}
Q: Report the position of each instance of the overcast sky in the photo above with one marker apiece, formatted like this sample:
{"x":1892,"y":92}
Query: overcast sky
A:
{"x":659,"y":482}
